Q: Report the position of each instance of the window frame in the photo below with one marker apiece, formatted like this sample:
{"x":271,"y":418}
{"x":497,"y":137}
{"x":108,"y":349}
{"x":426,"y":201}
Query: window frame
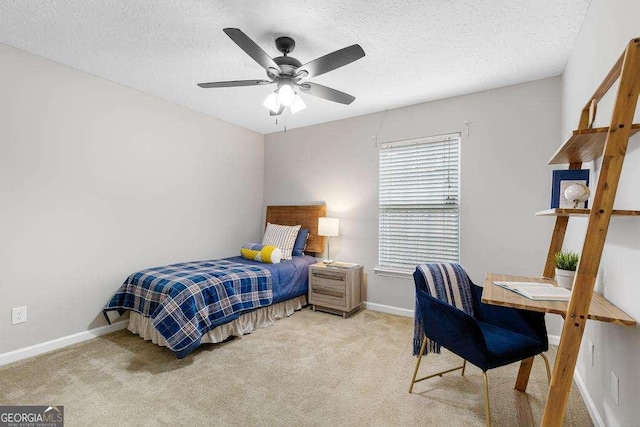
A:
{"x":386,"y":269}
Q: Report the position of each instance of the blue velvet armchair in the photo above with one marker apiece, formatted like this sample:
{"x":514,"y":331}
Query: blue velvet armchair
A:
{"x":494,"y":336}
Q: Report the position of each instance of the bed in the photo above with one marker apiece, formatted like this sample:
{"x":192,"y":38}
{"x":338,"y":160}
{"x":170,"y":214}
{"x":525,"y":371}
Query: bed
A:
{"x":181,"y":306}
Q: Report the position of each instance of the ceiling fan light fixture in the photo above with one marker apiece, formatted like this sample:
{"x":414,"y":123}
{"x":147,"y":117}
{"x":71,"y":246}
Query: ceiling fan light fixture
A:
{"x":286,"y":72}
{"x":298,"y":104}
{"x":272,"y":102}
{"x":286,"y":95}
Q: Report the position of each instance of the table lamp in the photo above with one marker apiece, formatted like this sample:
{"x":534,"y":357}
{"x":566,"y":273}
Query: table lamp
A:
{"x":328,"y":227}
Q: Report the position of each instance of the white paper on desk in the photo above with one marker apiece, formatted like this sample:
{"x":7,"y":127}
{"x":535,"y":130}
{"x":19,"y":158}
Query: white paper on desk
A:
{"x":537,"y":291}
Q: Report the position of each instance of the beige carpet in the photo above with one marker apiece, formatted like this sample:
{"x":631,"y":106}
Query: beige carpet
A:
{"x":308,"y":369}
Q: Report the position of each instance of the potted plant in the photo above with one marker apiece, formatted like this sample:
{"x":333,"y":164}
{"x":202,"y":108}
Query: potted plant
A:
{"x":566,"y":264}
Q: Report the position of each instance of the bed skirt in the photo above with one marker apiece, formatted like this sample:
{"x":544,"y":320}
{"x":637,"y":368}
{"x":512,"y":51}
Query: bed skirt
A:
{"x":245,"y":324}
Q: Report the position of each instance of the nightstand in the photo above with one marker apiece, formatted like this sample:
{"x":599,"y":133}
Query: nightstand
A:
{"x":335,"y":289}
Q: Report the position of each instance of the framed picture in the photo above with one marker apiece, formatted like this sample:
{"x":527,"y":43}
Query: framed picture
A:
{"x":561,"y":180}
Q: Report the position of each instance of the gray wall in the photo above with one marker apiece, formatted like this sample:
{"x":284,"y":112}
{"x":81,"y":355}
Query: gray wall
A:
{"x":607,"y":29}
{"x":504,"y":178}
{"x":98,"y":180}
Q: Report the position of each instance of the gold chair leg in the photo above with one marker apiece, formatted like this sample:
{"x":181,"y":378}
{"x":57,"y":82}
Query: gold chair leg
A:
{"x":486,"y":399}
{"x":415,"y":371}
{"x":546,"y":365}
{"x":438,"y":374}
{"x":464,"y":366}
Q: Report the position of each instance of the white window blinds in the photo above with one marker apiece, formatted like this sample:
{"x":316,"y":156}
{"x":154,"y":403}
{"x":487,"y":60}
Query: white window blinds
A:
{"x":418,"y":202}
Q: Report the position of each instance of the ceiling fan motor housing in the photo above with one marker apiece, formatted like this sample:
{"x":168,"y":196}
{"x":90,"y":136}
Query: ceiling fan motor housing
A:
{"x":287,"y":64}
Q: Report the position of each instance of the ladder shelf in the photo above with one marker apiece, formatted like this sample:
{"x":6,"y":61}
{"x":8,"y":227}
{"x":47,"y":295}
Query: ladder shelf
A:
{"x":582,"y":212}
{"x":585,"y":145}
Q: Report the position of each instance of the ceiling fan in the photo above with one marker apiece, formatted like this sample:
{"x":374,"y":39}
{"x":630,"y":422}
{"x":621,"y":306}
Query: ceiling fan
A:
{"x":290,"y":74}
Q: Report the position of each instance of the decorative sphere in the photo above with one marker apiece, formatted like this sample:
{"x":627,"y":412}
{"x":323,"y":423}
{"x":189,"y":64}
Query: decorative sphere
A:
{"x":577,"y":193}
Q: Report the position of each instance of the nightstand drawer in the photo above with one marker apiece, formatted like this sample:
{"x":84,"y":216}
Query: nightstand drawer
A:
{"x":328,"y":297}
{"x":327,"y":274}
{"x":329,"y":280}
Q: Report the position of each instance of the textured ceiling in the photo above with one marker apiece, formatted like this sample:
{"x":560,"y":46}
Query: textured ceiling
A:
{"x":416,"y":50}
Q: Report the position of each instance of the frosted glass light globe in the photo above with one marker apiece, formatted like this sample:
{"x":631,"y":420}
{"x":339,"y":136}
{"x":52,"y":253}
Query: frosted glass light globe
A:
{"x":272,"y":102}
{"x":298,"y":105}
{"x":577,"y":193}
{"x":286,"y":95}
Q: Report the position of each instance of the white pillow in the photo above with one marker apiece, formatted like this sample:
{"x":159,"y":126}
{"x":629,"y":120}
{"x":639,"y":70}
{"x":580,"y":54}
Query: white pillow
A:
{"x":281,"y":236}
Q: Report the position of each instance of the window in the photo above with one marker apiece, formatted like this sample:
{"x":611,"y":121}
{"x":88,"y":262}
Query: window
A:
{"x":418,"y":202}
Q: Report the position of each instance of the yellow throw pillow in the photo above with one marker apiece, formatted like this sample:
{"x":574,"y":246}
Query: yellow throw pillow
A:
{"x":267,"y":254}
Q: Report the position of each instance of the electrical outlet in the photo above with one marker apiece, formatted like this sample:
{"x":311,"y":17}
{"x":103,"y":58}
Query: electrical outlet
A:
{"x":592,"y":355}
{"x":18,"y":315}
{"x":615,"y":388}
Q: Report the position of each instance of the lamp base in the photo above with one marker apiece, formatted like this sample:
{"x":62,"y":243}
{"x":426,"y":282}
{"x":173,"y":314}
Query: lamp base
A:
{"x":328,"y":261}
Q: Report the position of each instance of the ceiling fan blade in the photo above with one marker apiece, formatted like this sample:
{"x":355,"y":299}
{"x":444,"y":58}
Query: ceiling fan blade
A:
{"x":272,"y":113}
{"x":331,"y":61}
{"x":253,"y":50}
{"x":326,"y":93}
{"x":234,"y":83}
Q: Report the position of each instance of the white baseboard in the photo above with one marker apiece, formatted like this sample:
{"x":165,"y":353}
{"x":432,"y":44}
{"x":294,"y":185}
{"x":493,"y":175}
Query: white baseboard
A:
{"x":45,"y":347}
{"x":582,"y":388}
{"x":588,"y":401}
{"x":389,"y":309}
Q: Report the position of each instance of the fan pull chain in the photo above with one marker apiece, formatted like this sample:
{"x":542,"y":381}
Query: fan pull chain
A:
{"x":285,"y":122}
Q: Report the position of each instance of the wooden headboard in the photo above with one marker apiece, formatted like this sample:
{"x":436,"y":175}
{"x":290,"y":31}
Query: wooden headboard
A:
{"x":306,"y":216}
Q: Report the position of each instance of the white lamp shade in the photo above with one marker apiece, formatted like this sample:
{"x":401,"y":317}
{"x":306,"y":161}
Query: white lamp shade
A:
{"x":328,"y":226}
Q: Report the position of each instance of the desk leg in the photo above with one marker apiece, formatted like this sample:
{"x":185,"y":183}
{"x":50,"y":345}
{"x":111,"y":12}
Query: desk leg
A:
{"x":523,"y":374}
{"x":524,"y":412}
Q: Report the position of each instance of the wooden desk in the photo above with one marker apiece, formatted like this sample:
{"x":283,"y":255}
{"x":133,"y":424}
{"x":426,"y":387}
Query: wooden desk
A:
{"x":600,"y":309}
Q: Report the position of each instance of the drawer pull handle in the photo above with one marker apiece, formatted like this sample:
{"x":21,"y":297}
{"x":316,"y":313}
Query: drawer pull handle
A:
{"x":326,"y":276}
{"x":328,"y":292}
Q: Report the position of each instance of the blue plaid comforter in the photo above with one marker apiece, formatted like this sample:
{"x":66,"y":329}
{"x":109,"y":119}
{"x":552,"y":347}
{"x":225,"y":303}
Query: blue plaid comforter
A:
{"x":188,"y":299}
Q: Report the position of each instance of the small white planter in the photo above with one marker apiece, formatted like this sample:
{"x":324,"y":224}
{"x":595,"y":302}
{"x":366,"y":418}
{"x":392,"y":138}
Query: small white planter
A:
{"x":565,"y":278}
